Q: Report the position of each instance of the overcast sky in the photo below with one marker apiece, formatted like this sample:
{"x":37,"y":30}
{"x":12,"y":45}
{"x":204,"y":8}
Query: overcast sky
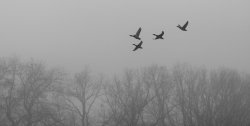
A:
{"x":75,"y":33}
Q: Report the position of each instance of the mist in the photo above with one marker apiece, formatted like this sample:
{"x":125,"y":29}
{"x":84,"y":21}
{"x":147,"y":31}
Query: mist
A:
{"x":75,"y":63}
{"x":75,"y":33}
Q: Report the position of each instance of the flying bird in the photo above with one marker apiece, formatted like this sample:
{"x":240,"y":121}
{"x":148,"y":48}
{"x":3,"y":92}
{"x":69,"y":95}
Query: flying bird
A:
{"x":136,"y":36}
{"x":183,"y":28}
{"x":159,"y":36}
{"x":138,"y":46}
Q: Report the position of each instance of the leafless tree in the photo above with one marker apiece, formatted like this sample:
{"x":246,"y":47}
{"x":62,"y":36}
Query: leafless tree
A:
{"x":10,"y":99}
{"x":82,"y":95}
{"x":229,"y":102}
{"x":127,"y":98}
{"x":35,"y":85}
{"x":218,"y":98}
{"x":33,"y":95}
{"x":161,"y":86}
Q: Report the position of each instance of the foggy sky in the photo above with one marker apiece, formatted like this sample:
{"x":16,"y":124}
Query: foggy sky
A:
{"x":75,"y":33}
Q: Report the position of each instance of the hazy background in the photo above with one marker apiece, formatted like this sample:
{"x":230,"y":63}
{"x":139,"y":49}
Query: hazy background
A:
{"x":73,"y":33}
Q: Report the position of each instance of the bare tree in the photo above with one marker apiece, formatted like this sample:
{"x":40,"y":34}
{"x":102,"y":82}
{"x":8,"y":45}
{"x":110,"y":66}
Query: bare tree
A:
{"x":33,"y":95}
{"x":82,"y":94}
{"x":191,"y":94}
{"x":161,"y":84}
{"x":228,"y":92}
{"x":35,"y":85}
{"x":218,"y":98}
{"x":10,"y":98}
{"x":127,"y":99}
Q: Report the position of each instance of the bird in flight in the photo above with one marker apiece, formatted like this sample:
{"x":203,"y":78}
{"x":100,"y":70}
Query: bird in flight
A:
{"x":138,"y":46}
{"x":136,"y":36}
{"x":183,"y":28}
{"x":159,"y":36}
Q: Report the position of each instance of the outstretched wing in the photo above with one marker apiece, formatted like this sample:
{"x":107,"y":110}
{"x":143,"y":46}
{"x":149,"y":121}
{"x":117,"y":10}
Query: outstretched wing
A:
{"x":138,"y":32}
{"x":162,"y":33}
{"x":139,"y":45}
{"x":135,"y":48}
{"x":185,"y":25}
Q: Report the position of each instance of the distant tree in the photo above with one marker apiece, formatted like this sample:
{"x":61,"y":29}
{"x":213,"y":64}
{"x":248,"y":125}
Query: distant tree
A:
{"x":33,"y":95}
{"x":182,"y":74}
{"x":161,"y":86}
{"x":229,"y":100}
{"x":218,"y":98}
{"x":82,"y":94}
{"x":36,"y":83}
{"x":127,"y":98}
{"x":10,"y":105}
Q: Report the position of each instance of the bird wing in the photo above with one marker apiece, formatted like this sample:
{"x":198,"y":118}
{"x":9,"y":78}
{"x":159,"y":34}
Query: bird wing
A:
{"x":135,"y":48}
{"x":184,"y":26}
{"x":138,"y":32}
{"x":139,"y":45}
{"x":162,"y":33}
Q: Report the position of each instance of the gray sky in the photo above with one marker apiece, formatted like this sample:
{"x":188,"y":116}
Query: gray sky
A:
{"x":73,"y":33}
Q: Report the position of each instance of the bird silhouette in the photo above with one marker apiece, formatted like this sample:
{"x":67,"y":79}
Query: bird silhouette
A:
{"x":136,"y":36}
{"x":159,"y":36}
{"x":137,"y":46}
{"x":183,"y":28}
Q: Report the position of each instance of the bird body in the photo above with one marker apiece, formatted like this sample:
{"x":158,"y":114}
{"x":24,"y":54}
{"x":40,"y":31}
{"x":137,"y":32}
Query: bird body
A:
{"x":183,"y":28}
{"x":138,"y":46}
{"x":159,"y":36}
{"x":136,"y":36}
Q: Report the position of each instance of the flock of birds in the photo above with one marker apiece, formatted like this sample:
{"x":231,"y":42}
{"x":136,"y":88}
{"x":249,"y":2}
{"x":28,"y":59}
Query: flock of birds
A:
{"x":160,"y":36}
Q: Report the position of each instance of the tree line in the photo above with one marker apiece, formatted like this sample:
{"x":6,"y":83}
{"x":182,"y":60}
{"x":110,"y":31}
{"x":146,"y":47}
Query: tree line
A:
{"x":32,"y":94}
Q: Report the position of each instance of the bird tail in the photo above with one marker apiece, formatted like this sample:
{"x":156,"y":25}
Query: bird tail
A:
{"x":134,"y":44}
